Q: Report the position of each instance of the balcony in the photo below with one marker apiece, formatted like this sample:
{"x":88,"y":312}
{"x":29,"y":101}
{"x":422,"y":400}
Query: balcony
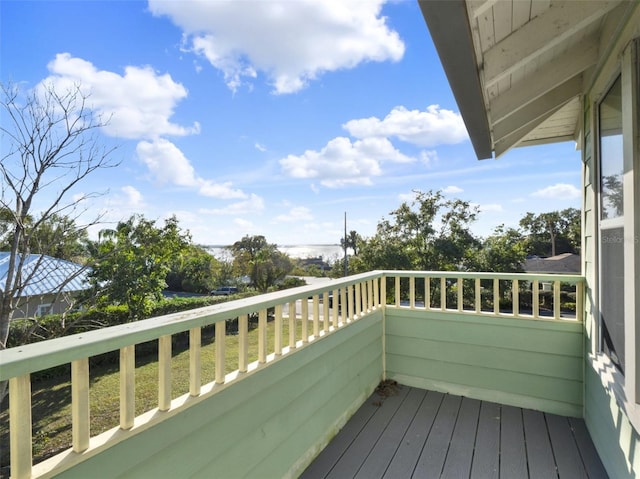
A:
{"x":494,"y":338}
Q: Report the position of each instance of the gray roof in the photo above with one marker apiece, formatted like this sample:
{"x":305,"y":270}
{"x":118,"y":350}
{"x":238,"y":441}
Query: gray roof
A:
{"x":567,"y":263}
{"x":47,"y":275}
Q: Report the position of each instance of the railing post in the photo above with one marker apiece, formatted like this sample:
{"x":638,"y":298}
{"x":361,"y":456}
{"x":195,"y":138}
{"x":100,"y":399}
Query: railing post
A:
{"x":325,"y":311}
{"x":535,"y":296}
{"x":164,"y":373}
{"x":478,"y":295}
{"x":427,"y":292}
{"x":316,"y":316}
{"x":127,"y":386}
{"x":443,"y":293}
{"x":412,"y":292}
{"x":556,"y":300}
{"x":80,"y":404}
{"x":243,"y":343}
{"x":278,"y":330}
{"x":460,"y":295}
{"x":195,"y":355}
{"x":305,"y":319}
{"x":496,"y":296}
{"x":580,"y":301}
{"x":397,"y":291}
{"x":20,"y":426}
{"x":221,"y":336}
{"x":515,"y":297}
{"x":262,"y":336}
{"x":335,"y":306}
{"x":292,"y":324}
{"x":381,"y":298}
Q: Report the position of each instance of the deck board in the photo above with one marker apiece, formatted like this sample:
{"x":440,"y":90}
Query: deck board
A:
{"x":409,"y":432}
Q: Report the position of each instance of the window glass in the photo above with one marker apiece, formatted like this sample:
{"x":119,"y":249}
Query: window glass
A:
{"x":611,"y":159}
{"x":612,"y":232}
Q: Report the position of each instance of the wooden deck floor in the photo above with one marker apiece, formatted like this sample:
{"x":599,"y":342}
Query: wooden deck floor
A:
{"x":402,"y":432}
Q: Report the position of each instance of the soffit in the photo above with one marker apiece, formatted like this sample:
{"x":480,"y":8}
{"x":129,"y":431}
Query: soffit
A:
{"x":531,"y":60}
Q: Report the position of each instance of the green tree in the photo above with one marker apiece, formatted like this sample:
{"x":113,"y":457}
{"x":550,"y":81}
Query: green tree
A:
{"x":430,"y":233}
{"x":135,"y":259}
{"x":552,"y":233}
{"x":261,"y":261}
{"x":503,"y":251}
{"x":193,"y":270}
{"x":353,"y":241}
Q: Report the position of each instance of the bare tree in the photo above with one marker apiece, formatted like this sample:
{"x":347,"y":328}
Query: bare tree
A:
{"x":51,"y":143}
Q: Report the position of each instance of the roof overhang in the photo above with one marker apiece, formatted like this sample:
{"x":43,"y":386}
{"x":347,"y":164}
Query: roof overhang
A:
{"x":518,"y":68}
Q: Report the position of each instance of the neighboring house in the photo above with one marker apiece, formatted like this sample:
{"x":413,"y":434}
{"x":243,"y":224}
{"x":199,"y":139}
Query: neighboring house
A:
{"x":565,"y":263}
{"x":51,"y":284}
{"x":534,"y":72}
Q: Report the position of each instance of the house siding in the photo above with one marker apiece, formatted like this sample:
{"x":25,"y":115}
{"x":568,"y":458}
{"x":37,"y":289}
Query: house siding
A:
{"x":266,"y":425}
{"x":607,"y":420}
{"x":534,"y":364}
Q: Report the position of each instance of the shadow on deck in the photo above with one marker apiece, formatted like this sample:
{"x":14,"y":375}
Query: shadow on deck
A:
{"x":402,"y":432}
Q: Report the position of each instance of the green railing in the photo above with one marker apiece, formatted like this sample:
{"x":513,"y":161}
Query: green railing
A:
{"x":309,"y":313}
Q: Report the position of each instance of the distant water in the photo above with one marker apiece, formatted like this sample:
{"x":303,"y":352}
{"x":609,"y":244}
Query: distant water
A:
{"x":329,"y":252}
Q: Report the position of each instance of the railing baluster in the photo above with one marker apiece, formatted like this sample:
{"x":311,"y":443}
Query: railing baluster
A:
{"x":164,"y":372}
{"x":325,"y":311}
{"x":358,"y":304}
{"x":516,"y":297}
{"x":397,"y":285}
{"x":535,"y":294}
{"x":343,"y":305}
{"x":365,"y":296}
{"x":278,"y":330}
{"x":316,"y":316}
{"x":412,"y":292}
{"x":350,"y":304}
{"x":262,"y":336}
{"x":305,"y":319}
{"x":335,"y":306}
{"x":243,"y":343}
{"x":556,"y":300}
{"x":380,"y":292}
{"x":443,"y":293}
{"x":370,"y":297}
{"x":127,"y":386}
{"x":460,"y":296}
{"x":195,"y":361}
{"x":427,"y":293}
{"x":221,"y":336}
{"x":292,"y":324}
{"x":580,"y":301}
{"x":20,"y":426}
{"x":80,"y":404}
{"x":478,"y":295}
{"x":496,"y":296}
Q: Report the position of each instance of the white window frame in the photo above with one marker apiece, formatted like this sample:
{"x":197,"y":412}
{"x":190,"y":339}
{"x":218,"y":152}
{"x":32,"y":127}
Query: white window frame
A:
{"x":43,"y":309}
{"x":626,"y":388}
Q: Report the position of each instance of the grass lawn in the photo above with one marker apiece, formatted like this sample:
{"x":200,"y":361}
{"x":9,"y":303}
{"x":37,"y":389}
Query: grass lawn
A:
{"x":51,"y":398}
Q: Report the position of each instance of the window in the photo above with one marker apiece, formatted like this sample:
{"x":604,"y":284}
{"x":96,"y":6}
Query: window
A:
{"x":612,"y":214}
{"x":43,"y":309}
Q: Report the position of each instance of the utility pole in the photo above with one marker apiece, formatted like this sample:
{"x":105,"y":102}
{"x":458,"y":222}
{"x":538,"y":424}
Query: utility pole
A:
{"x":346,"y":265}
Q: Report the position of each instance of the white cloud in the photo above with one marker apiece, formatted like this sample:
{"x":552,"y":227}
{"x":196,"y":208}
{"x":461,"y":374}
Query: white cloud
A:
{"x":296,"y":214}
{"x":343,"y":162}
{"x":432,"y":127}
{"x":429,"y":156}
{"x":291,"y":42}
{"x":559,"y":191}
{"x":138,"y":104}
{"x":450,"y":190}
{"x":132,"y":197}
{"x":260,"y":147}
{"x":253,"y":204}
{"x":495,"y":207}
{"x":168,"y":165}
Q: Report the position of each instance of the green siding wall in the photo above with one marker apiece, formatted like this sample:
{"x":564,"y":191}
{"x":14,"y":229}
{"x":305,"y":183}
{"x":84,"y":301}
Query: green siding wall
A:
{"x":613,"y":435}
{"x":524,"y":363}
{"x":273,"y":421}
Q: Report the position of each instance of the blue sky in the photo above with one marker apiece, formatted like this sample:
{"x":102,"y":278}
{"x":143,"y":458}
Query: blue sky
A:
{"x":273,"y":118}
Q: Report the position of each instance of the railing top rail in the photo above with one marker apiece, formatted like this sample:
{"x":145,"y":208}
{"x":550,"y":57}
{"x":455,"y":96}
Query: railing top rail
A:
{"x":569,"y":278}
{"x":54,"y":352}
